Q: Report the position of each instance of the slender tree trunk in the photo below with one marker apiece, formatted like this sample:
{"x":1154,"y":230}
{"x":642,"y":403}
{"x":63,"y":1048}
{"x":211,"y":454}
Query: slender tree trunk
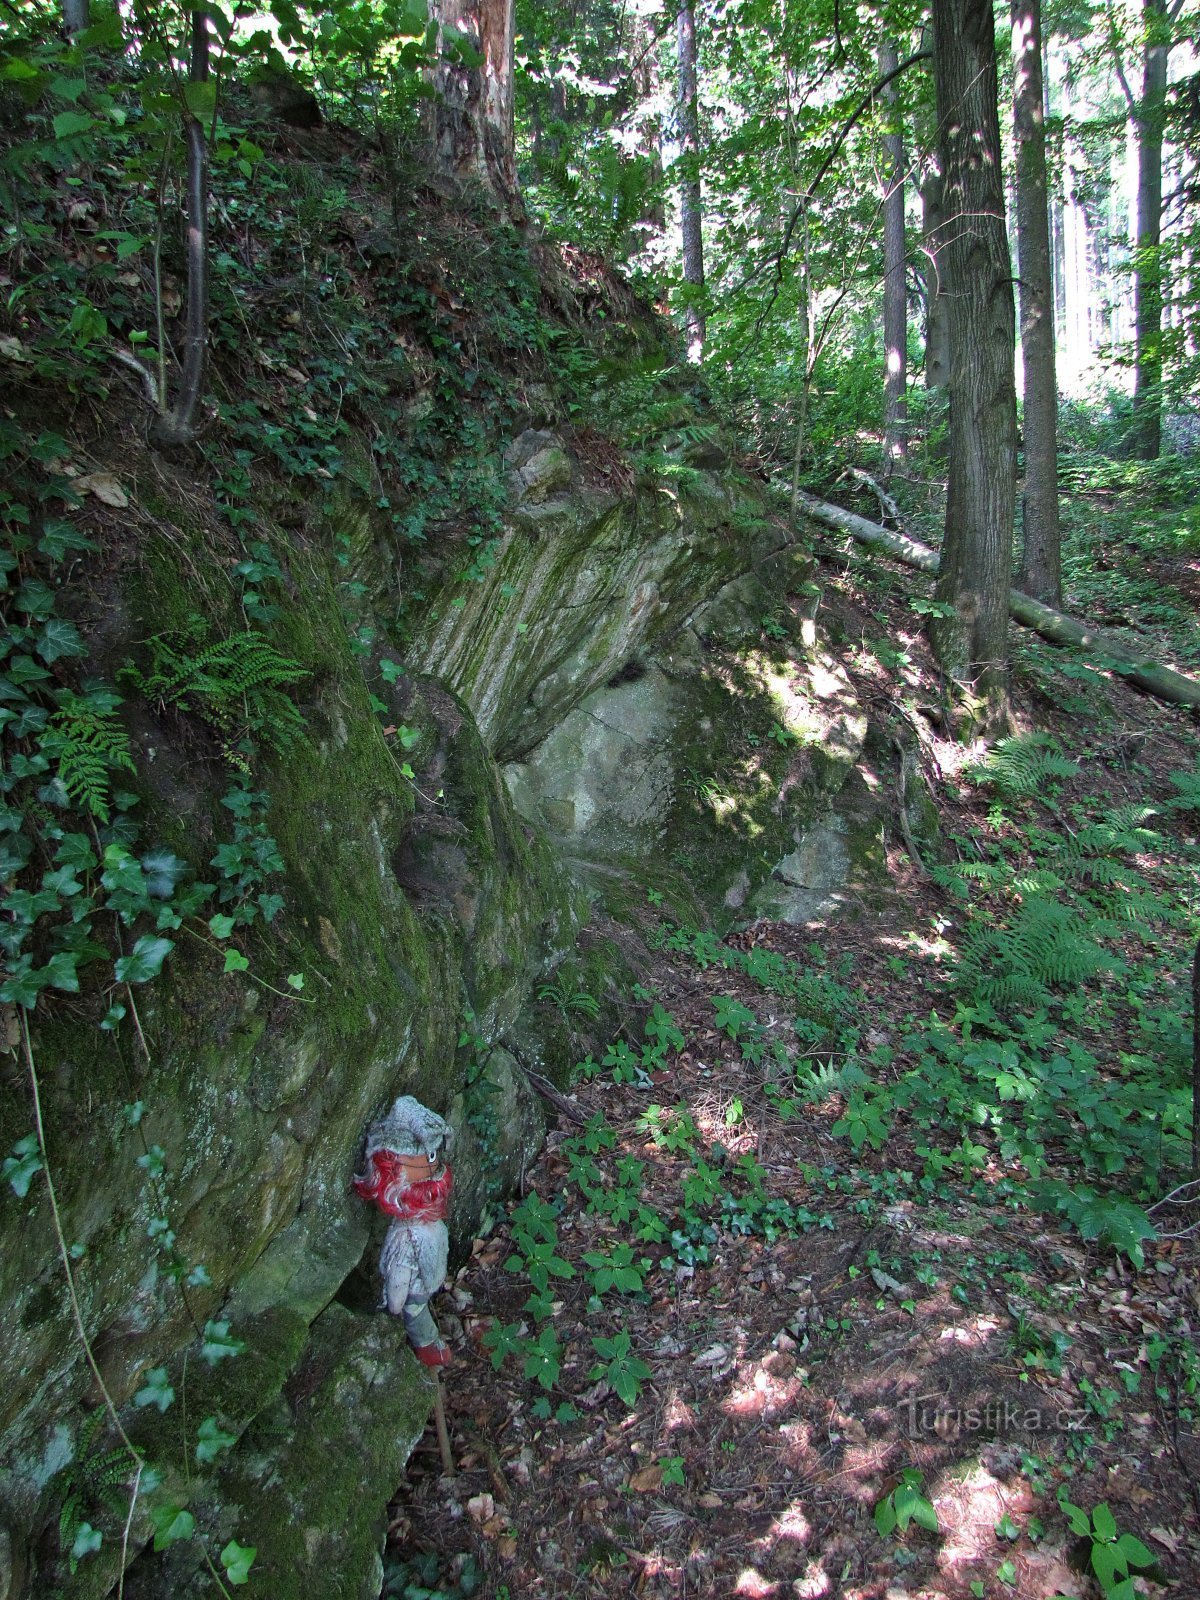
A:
{"x":647,"y":79}
{"x":473,"y":114}
{"x":1041,"y":567}
{"x":691,"y":206}
{"x":1147,"y":292}
{"x":937,"y":307}
{"x":895,"y":297}
{"x":76,"y":17}
{"x":971,"y":641}
{"x":180,"y":425}
{"x":803,"y":321}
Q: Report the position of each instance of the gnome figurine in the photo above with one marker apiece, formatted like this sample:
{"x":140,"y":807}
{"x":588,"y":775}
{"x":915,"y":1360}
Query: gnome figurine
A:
{"x":408,"y":1179}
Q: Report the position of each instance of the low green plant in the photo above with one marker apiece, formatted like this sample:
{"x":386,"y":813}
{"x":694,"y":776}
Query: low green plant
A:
{"x":619,"y":1367}
{"x":1112,"y":1556}
{"x":905,"y":1504}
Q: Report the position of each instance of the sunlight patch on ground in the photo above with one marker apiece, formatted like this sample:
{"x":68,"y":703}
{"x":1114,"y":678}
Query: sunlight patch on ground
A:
{"x":761,"y":1392}
{"x":975,"y":1333}
{"x":754,"y":1586}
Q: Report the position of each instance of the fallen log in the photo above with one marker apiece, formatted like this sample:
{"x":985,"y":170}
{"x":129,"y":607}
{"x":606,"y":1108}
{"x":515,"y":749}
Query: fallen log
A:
{"x":1136,"y":668}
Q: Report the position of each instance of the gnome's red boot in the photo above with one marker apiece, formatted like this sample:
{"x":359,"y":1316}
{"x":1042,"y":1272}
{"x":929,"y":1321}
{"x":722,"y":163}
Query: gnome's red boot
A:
{"x":433,"y":1355}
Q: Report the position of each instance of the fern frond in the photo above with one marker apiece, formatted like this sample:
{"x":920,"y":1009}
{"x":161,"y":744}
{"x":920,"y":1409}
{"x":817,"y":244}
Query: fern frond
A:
{"x":89,"y":743}
{"x":1188,"y":784}
{"x":237,"y":684}
{"x":1045,"y":946}
{"x":1023,"y":765}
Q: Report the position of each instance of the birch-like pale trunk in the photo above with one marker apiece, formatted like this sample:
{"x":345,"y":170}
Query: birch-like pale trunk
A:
{"x":895,"y":297}
{"x":1041,"y":565}
{"x":691,"y":203}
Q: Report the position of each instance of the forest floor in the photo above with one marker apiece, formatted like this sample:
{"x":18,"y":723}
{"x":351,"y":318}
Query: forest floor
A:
{"x":733,"y":1342}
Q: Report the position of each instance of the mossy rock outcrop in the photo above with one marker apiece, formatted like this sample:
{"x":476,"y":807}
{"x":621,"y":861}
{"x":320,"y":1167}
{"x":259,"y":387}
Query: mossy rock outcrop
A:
{"x":228,"y":1139}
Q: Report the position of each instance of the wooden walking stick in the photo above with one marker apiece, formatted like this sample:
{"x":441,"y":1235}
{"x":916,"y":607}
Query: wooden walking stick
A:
{"x":443,"y":1433}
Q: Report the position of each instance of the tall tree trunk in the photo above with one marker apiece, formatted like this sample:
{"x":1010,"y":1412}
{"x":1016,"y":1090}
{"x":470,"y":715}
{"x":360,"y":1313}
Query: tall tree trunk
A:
{"x":895,"y":298}
{"x":473,"y":112}
{"x":1148,"y":294}
{"x":937,"y":307}
{"x":76,"y":17}
{"x":971,"y":641}
{"x":691,"y":206}
{"x":1041,"y":566}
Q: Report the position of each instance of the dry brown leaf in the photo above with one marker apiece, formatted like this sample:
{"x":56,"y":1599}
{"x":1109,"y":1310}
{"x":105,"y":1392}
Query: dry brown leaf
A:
{"x":105,"y":487}
{"x":647,"y":1481}
{"x":1167,"y":1537}
{"x":481,"y":1508}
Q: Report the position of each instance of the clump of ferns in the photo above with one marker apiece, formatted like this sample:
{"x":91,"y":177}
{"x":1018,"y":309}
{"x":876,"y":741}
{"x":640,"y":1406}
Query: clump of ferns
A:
{"x":236,"y":685}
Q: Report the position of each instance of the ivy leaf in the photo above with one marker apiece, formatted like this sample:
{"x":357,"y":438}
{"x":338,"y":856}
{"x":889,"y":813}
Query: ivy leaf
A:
{"x":162,"y":871}
{"x":156,"y":1391}
{"x":75,"y":851}
{"x":295,"y":980}
{"x":237,"y":1559}
{"x":211,"y":1440}
{"x":144,"y":961}
{"x":235,"y":961}
{"x":171,"y":1525}
{"x":221,"y":926}
{"x":87,"y":1541}
{"x":23,"y":985}
{"x":218,"y":1343}
{"x":21,"y":1167}
{"x":34,"y":598}
{"x":59,"y":537}
{"x":59,"y":972}
{"x":59,"y":638}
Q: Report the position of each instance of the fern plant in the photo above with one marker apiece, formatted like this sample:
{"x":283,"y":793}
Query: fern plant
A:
{"x":236,"y":685}
{"x":1188,"y":784}
{"x":96,"y":1480}
{"x":1024,"y":765}
{"x":1045,"y":946}
{"x":86,"y":739}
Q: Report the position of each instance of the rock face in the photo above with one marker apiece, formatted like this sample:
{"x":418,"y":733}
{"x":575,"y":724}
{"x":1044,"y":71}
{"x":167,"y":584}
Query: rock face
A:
{"x":618,"y":691}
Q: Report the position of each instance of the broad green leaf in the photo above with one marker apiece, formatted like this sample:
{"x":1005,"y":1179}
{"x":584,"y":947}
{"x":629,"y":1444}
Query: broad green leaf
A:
{"x":1134,"y":1551}
{"x":1104,"y":1523}
{"x":237,"y":1560}
{"x":235,"y":961}
{"x":211,"y":1440}
{"x":171,"y":1525}
{"x":201,"y":98}
{"x":20,"y":1168}
{"x":145,"y":960}
{"x":59,"y":538}
{"x":87,"y":1541}
{"x":156,"y":1391}
{"x":69,"y":124}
